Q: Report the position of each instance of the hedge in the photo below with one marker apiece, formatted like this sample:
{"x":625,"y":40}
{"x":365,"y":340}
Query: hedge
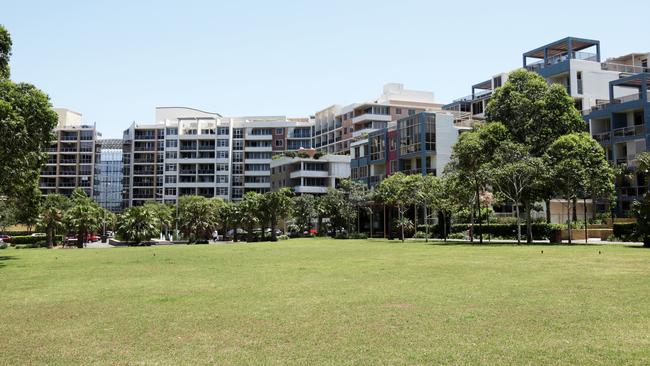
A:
{"x":19,"y":240}
{"x":541,"y":231}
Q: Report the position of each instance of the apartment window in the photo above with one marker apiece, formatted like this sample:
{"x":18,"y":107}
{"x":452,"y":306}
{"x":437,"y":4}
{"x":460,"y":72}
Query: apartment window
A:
{"x":222,"y":179}
{"x":237,"y":157}
{"x":238,"y":133}
{"x":377,"y":147}
{"x":411,"y":112}
{"x":279,"y":143}
{"x":170,"y":191}
{"x":171,"y":143}
{"x":170,"y":179}
{"x":222,"y":191}
{"x":579,"y":76}
{"x":238,"y":145}
{"x":398,"y":110}
{"x":357,"y":152}
{"x":222,"y":131}
{"x":222,"y":154}
{"x":497,"y":81}
{"x":393,"y":166}
{"x":279,"y":131}
{"x":171,"y":131}
{"x":222,"y":143}
{"x":170,"y":167}
{"x":222,"y":167}
{"x":392,"y":144}
{"x":237,"y":169}
{"x":171,"y":154}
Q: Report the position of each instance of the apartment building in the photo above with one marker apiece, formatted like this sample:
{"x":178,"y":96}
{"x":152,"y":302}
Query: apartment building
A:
{"x":416,"y":144}
{"x":192,"y":152}
{"x":336,"y":127}
{"x":108,"y":174}
{"x":309,"y":173}
{"x":71,"y":157}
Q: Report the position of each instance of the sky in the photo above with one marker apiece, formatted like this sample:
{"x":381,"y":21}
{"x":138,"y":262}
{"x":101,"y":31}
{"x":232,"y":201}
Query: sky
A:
{"x":115,"y":61}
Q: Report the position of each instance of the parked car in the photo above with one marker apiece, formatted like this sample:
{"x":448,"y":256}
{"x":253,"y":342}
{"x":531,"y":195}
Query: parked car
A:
{"x":110,"y":234}
{"x":5,"y":238}
{"x":89,"y":237}
{"x":39,"y":235}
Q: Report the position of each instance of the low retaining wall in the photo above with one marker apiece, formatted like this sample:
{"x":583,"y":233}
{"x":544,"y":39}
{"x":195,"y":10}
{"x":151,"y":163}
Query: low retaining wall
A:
{"x":579,"y":234}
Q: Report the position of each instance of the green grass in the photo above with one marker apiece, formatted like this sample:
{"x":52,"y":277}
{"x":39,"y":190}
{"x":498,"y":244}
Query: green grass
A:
{"x":317,"y":301}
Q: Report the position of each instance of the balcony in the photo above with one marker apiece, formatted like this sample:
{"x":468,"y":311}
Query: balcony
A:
{"x":629,"y":131}
{"x":602,"y":137}
{"x":557,"y":59}
{"x":310,"y":189}
{"x":371,"y":117}
{"x":309,"y":174}
{"x":628,"y":69}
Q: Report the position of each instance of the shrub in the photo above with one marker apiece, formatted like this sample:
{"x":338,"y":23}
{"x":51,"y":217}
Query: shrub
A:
{"x":18,"y":240}
{"x":359,"y":236}
{"x":540,"y":231}
{"x":3,"y":245}
{"x":456,"y":236}
{"x":625,"y":232}
{"x":283,"y":237}
{"x":341,"y":236}
{"x":421,"y":235}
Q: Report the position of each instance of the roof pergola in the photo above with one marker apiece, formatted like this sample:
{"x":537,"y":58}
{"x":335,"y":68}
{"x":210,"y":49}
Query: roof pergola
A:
{"x":639,"y":81}
{"x":566,"y":45}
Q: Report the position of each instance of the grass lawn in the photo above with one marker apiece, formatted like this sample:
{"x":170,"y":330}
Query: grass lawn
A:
{"x":319,"y":301}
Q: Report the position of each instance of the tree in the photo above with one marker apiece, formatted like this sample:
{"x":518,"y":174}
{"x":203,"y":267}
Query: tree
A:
{"x":400,"y":191}
{"x":513,"y":172}
{"x":275,"y":206}
{"x":304,"y":211}
{"x":51,"y":217}
{"x":338,"y":209}
{"x":26,"y":124}
{"x":7,"y":213}
{"x":250,"y":211}
{"x":196,"y":215}
{"x":575,"y":160}
{"x":28,"y":207}
{"x":138,"y":224}
{"x":164,"y":214}
{"x":5,"y":52}
{"x":469,"y":157}
{"x":82,"y":216}
{"x":360,"y":197}
{"x":230,"y":214}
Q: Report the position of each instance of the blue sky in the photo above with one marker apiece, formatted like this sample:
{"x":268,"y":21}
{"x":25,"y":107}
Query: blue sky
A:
{"x":115,"y":61}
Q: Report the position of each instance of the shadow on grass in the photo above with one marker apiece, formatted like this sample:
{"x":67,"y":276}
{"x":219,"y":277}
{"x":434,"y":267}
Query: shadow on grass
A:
{"x":511,"y":244}
{"x":4,"y":258}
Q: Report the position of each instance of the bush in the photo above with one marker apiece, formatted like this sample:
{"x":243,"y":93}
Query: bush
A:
{"x":341,"y":236}
{"x":421,"y":235}
{"x":456,"y":236}
{"x":18,"y":240}
{"x":541,"y":231}
{"x":359,"y":236}
{"x":625,"y":232}
{"x":283,"y":237}
{"x":3,"y":246}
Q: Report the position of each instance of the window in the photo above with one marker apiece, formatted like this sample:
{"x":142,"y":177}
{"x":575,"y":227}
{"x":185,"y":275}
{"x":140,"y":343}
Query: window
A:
{"x":238,"y":145}
{"x":222,"y":154}
{"x":393,"y":166}
{"x":222,"y":143}
{"x":170,"y":191}
{"x":357,"y":152}
{"x":496,"y":82}
{"x":222,"y":131}
{"x":222,"y":191}
{"x":377,"y":147}
{"x":171,"y":131}
{"x":207,"y":131}
{"x":411,"y":112}
{"x":222,"y":167}
{"x":170,"y":179}
{"x":171,"y":155}
{"x":237,"y":169}
{"x":279,"y":143}
{"x":222,"y":179}
{"x":170,"y":167}
{"x":398,"y":110}
{"x":392,"y":144}
{"x":238,"y":133}
{"x":237,"y":157}
{"x":171,"y":143}
{"x":279,"y":131}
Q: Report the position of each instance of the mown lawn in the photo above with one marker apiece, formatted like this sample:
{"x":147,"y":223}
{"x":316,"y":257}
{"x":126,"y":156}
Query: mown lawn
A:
{"x":318,"y":301}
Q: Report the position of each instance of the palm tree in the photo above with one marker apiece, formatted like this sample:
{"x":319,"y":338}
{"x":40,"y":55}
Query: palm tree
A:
{"x":275,"y":206}
{"x":51,"y":217}
{"x":138,"y":224}
{"x":250,"y":210}
{"x":196,"y":216}
{"x":83,"y":216}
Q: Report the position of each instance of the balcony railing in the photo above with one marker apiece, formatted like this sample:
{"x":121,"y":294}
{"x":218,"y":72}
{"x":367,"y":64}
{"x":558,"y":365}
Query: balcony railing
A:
{"x":629,"y":131}
{"x":602,"y":137}
{"x":586,"y":56}
{"x":629,"y":69}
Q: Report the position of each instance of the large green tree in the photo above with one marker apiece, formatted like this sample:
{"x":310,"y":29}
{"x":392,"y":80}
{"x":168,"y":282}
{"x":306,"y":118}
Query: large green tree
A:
{"x":197,"y":217}
{"x":575,"y":161}
{"x":26,"y":124}
{"x":400,"y":191}
{"x":304,"y":211}
{"x":275,"y":206}
{"x":469,"y":157}
{"x":337,"y":209}
{"x":251,"y":214}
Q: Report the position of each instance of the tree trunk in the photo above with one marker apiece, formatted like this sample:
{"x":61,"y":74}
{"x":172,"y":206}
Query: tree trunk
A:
{"x":273,"y":236}
{"x":646,"y":241}
{"x":372,"y":221}
{"x":529,"y":227}
{"x":518,"y":223}
{"x":575,"y":209}
{"x":471,"y":223}
{"x":401,"y":217}
{"x":584,"y":203}
{"x":548,"y":210}
{"x":480,"y":225}
{"x":568,"y":212}
{"x":235,"y":237}
{"x":426,"y":225}
{"x":319,"y":232}
{"x":50,"y":237}
{"x":444,"y":226}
